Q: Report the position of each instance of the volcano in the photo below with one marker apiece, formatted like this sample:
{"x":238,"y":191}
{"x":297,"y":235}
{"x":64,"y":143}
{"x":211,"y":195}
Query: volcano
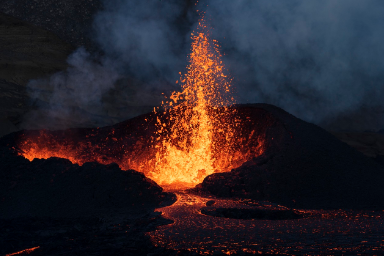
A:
{"x":200,"y":135}
{"x":227,"y":178}
{"x":301,"y":165}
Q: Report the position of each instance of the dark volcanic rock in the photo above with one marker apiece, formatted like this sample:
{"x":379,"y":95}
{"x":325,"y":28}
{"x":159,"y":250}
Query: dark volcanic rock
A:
{"x":57,"y":188}
{"x":303,"y":166}
{"x":248,"y":214}
{"x":370,"y":144}
{"x":379,"y":159}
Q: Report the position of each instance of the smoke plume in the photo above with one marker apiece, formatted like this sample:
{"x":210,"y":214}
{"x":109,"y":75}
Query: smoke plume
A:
{"x":319,"y":60}
{"x":142,"y":45}
{"x":322,"y":61}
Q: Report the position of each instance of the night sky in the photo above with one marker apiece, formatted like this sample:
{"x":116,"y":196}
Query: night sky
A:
{"x":322,"y":61}
{"x":316,"y":59}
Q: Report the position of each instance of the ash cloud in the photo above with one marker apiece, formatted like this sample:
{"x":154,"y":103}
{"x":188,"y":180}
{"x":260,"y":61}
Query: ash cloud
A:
{"x":322,"y":61}
{"x":143,"y":46}
{"x":149,"y":37}
{"x":71,"y":97}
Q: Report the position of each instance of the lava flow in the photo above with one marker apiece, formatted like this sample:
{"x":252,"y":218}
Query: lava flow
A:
{"x":198,"y":132}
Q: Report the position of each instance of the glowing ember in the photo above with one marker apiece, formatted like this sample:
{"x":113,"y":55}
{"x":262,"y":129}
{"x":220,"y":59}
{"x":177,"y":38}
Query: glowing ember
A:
{"x":319,"y":232}
{"x":188,"y":152}
{"x":26,"y":251}
{"x":197,"y":134}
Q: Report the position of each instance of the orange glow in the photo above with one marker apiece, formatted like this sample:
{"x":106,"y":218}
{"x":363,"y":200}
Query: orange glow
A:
{"x":198,"y":133}
{"x":319,"y":232}
{"x":190,"y":151}
{"x":26,"y":251}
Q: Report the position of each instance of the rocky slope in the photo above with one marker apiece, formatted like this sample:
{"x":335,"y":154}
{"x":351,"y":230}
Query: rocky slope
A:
{"x":303,"y":166}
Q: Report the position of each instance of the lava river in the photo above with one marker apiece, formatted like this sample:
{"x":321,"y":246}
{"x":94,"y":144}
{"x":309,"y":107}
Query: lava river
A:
{"x":315,"y":232}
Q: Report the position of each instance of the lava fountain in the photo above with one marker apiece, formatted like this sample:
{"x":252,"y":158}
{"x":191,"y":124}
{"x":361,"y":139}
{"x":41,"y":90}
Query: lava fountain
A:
{"x":197,"y":132}
{"x":187,"y":153}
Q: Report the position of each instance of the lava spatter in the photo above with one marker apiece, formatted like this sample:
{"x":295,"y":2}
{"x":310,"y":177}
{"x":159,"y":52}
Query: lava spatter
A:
{"x":189,"y":151}
{"x":200,"y":131}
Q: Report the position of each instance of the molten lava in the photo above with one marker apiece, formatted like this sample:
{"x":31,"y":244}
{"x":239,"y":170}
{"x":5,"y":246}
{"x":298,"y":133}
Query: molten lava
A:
{"x":26,"y":251}
{"x":198,"y":132}
{"x":188,"y":153}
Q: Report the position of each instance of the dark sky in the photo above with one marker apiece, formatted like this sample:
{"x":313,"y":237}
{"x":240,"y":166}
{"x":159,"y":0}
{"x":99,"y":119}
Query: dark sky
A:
{"x":321,"y":60}
{"x":314,"y":58}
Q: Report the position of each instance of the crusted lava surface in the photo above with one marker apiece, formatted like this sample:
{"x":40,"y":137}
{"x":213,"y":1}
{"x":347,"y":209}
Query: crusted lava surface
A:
{"x":249,"y":214}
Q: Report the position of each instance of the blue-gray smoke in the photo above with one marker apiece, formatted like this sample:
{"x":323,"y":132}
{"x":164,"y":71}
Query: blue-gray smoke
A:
{"x":321,"y":60}
{"x":318,"y":59}
{"x":148,"y":37}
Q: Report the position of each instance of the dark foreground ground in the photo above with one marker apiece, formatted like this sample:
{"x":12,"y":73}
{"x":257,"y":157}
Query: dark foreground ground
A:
{"x":183,"y":230}
{"x":125,"y":213}
{"x":81,"y":236}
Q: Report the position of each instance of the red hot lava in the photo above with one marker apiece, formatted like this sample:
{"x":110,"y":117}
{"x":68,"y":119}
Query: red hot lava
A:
{"x":198,"y":133}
